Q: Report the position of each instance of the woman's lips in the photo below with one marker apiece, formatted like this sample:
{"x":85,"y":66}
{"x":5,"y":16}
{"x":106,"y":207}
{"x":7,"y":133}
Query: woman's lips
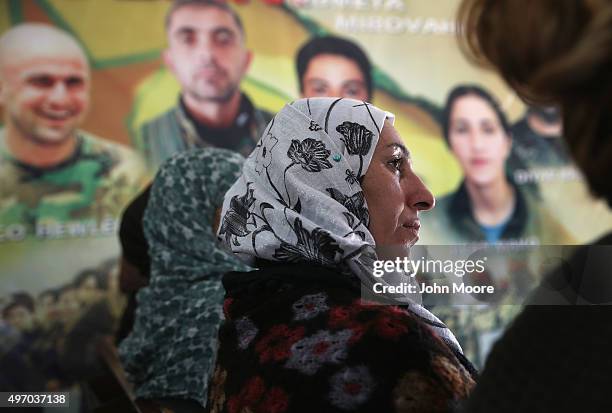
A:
{"x":411,"y":228}
{"x":479,"y":161}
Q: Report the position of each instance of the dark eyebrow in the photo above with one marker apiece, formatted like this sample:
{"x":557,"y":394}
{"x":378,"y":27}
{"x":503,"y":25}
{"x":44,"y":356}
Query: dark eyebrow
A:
{"x":351,"y":82}
{"x":402,"y":148}
{"x":184,"y":30}
{"x":224,"y":29}
{"x":316,"y":79}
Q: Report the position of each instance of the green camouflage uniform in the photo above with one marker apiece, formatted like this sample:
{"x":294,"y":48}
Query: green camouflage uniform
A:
{"x":94,"y":184}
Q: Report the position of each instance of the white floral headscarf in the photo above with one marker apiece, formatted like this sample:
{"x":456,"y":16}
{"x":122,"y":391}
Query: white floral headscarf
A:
{"x":299,"y":198}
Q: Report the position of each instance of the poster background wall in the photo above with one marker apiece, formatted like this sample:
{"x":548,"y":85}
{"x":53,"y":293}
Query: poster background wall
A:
{"x":416,"y":62}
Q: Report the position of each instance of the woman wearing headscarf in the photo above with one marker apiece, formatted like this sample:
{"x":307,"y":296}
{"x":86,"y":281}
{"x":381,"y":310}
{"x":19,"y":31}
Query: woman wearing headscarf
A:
{"x":170,"y":352}
{"x":329,"y":184}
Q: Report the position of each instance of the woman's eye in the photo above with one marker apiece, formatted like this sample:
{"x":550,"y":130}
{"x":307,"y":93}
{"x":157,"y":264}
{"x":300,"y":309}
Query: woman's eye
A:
{"x":354,"y":92}
{"x":396,"y":164}
{"x":489,"y":130}
{"x":460,"y":129}
{"x":489,"y":127}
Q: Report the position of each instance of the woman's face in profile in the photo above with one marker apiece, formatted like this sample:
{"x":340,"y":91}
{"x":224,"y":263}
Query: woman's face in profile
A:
{"x":393,"y":192}
{"x":478,"y":140}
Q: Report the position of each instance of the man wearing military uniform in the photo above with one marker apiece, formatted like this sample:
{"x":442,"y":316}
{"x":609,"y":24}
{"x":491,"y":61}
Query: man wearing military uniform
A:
{"x":208,"y":56}
{"x":55,"y":180}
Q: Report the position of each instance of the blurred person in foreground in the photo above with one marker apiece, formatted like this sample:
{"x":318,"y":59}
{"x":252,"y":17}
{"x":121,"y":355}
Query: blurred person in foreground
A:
{"x":555,"y":356}
{"x":169,"y":353}
{"x":207,"y":54}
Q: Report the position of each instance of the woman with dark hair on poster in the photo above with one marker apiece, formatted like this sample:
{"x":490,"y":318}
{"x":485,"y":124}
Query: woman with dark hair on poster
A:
{"x":297,"y":334}
{"x":556,"y":355}
{"x":487,"y":207}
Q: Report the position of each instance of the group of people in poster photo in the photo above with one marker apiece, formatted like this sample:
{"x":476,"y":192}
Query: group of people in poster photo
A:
{"x":88,"y":126}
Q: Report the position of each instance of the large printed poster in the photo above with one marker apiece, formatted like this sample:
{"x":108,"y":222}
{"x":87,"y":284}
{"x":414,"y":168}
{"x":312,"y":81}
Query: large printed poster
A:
{"x":59,"y":215}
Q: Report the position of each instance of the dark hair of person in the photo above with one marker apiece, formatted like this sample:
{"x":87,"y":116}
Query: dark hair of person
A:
{"x":220,"y":4}
{"x":466,"y":90}
{"x":108,"y":266}
{"x":19,"y":299}
{"x":335,"y":46}
{"x":553,"y":52}
{"x":64,"y":288}
{"x":101,"y":279}
{"x":53,"y":293}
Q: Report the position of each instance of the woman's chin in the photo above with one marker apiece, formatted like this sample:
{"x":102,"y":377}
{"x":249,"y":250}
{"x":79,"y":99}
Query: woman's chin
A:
{"x":483,"y":179}
{"x":404,"y":237}
{"x":409,"y":235}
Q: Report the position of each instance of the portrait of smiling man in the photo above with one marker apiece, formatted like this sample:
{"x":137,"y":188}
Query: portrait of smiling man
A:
{"x":207,"y":55}
{"x":50,"y":170}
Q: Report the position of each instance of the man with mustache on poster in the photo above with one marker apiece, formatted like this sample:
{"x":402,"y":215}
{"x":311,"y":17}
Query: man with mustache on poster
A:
{"x":56,"y":181}
{"x":208,"y":56}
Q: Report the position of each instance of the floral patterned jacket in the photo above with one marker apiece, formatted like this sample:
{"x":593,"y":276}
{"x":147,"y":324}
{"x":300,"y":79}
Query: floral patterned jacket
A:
{"x":298,"y":338}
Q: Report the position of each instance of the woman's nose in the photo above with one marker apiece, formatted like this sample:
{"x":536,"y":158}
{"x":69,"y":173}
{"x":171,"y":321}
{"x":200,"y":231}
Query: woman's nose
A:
{"x":477,"y":141}
{"x":418,"y":196}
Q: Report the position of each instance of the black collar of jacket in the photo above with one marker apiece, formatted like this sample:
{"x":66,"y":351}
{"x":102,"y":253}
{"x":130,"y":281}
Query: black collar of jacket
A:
{"x":275,"y":282}
{"x":276,"y":276}
{"x":244,"y":118}
{"x":462,"y":218}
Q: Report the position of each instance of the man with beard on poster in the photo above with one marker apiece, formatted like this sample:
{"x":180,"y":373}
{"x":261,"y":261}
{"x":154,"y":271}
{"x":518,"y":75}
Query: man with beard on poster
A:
{"x":208,"y":56}
{"x":55,"y":180}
